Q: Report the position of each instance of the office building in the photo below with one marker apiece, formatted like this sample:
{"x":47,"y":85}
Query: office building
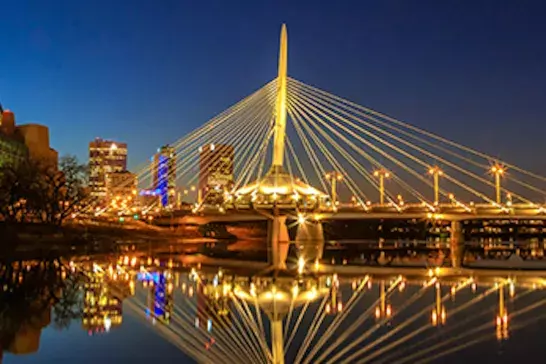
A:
{"x":20,"y":142}
{"x":215,"y":172}
{"x":164,"y":175}
{"x":7,"y":122}
{"x":121,"y":189}
{"x":105,"y":156}
{"x":11,"y":150}
{"x":36,"y":138}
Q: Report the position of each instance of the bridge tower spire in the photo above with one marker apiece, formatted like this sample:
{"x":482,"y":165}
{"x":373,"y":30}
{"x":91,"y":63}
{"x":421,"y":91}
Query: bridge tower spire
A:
{"x":280,"y":109}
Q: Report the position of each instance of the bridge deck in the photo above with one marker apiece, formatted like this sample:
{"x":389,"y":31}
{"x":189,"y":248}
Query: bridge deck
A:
{"x":482,"y":275}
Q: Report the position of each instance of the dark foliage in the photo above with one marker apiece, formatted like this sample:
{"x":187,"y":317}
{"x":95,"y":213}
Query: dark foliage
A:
{"x":35,"y":192}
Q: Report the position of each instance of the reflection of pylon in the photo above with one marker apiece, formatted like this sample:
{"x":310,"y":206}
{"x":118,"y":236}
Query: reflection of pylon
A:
{"x":502,"y":317}
{"x":384,"y":310}
{"x":439,"y":314}
{"x":335,"y":304}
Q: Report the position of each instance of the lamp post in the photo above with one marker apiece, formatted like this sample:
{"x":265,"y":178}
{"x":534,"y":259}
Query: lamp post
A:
{"x":334,"y":178}
{"x":498,"y":171}
{"x":382,"y":174}
{"x":436,"y":172}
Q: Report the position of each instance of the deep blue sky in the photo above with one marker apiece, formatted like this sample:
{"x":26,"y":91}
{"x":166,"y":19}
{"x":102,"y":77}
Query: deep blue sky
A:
{"x":147,"y":72}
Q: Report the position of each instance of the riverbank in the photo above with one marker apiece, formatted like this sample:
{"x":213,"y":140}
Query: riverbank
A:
{"x":33,"y":238}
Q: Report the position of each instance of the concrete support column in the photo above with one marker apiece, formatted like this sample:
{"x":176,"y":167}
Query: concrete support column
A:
{"x":310,"y":240}
{"x":278,"y":242}
{"x":456,"y":244}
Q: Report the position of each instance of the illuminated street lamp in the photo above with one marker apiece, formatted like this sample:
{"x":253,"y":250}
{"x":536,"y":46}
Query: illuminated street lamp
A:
{"x":498,"y":171}
{"x":436,"y":172}
{"x":334,"y":177}
{"x":382,"y":174}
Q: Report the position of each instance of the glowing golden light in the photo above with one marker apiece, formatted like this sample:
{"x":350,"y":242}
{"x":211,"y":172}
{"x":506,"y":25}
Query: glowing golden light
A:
{"x":436,"y":170}
{"x":498,"y":169}
{"x":301,"y":265}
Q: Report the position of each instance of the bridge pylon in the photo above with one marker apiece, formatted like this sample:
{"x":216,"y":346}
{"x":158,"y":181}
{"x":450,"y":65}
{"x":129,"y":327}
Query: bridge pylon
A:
{"x":278,"y":188}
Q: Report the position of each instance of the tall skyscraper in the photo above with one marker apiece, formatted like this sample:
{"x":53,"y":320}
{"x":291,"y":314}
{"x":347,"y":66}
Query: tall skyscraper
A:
{"x":164,"y":174}
{"x":105,"y":156}
{"x":215,"y":171}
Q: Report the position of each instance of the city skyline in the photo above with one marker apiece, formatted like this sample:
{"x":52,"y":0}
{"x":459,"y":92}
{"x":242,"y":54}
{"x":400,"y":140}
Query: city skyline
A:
{"x":487,"y":71}
{"x":388,"y":178}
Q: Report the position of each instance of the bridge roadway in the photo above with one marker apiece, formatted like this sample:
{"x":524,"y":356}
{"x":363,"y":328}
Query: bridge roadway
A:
{"x":374,"y":212}
{"x":523,"y":277}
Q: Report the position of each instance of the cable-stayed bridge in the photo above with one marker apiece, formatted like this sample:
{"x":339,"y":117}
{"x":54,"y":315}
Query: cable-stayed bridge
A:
{"x":300,"y":148}
{"x":303,"y":155}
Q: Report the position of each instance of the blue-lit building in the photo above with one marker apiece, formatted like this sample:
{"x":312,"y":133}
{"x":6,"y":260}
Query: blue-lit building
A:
{"x":164,"y":174}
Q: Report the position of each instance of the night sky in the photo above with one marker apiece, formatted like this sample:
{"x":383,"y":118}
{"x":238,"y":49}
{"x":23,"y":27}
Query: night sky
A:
{"x":147,"y":72}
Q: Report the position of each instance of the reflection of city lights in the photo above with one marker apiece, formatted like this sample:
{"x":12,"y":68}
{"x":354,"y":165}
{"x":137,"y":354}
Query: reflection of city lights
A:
{"x":301,"y":265}
{"x":107,"y":324}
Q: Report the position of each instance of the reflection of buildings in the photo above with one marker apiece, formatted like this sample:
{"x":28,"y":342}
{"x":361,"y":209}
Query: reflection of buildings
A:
{"x":19,"y":142}
{"x":212,"y":307}
{"x":27,"y":337}
{"x":160,"y":295}
{"x":102,"y":304}
{"x":105,"y":156}
{"x":164,"y":174}
{"x":215,"y":171}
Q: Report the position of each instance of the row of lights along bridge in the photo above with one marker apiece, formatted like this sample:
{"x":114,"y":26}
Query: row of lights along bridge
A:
{"x":334,"y":178}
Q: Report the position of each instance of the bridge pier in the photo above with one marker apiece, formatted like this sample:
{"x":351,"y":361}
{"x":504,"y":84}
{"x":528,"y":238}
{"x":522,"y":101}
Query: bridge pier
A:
{"x":456,"y":243}
{"x":310,"y":240}
{"x":278,"y":241}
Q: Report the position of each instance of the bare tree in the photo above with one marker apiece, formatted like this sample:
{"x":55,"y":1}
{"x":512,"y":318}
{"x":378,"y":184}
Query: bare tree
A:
{"x":18,"y":190}
{"x":62,"y":191}
{"x":33,"y":191}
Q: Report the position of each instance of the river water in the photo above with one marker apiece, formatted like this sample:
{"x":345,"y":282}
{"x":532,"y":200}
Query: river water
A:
{"x":138,"y":308}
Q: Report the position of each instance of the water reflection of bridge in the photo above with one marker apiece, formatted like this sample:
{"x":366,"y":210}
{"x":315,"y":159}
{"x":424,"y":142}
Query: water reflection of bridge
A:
{"x":239,"y":310}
